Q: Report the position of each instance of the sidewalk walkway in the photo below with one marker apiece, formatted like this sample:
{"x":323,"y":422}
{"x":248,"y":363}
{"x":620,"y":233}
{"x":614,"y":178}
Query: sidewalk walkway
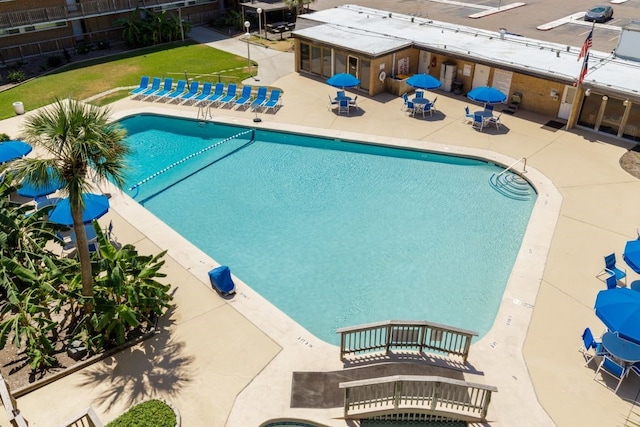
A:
{"x":229,"y":362}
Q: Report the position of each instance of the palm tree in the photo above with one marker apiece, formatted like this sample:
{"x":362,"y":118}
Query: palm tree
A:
{"x":78,"y":140}
{"x":298,"y":5}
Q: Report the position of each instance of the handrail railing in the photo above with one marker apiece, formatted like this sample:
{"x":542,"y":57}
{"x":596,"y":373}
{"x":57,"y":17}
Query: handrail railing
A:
{"x":408,"y":335}
{"x":524,"y":167}
{"x":86,"y":418}
{"x":431,"y":395}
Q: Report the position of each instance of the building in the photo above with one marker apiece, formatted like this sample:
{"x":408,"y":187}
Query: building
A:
{"x":383,"y":49}
{"x":30,"y":28}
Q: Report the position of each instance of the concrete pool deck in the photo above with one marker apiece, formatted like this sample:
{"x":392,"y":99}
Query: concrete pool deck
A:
{"x":229,"y":362}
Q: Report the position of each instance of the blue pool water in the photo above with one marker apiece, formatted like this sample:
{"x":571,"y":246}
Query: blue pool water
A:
{"x":333,"y":233}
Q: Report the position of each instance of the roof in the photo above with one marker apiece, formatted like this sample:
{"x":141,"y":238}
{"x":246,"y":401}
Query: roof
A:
{"x":376,"y":32}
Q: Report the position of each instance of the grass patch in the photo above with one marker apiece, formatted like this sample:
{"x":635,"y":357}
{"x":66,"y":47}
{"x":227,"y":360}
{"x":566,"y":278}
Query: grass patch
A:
{"x":86,"y":79}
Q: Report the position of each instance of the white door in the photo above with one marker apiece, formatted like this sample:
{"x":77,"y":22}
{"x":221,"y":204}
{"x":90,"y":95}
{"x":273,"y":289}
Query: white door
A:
{"x":568,"y":97}
{"x":423,"y":62}
{"x":480,"y":76}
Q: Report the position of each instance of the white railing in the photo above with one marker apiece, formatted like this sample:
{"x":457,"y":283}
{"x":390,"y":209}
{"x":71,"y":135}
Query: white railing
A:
{"x":431,"y":395}
{"x":524,"y":167}
{"x":419,"y":336}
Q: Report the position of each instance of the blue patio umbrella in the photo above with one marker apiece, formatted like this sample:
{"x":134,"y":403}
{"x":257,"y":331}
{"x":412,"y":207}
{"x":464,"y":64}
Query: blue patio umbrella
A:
{"x":619,"y":310}
{"x":95,"y":205}
{"x":343,"y":80}
{"x":423,"y":81}
{"x":487,"y":95}
{"x":30,"y":189}
{"x":631,"y":254}
{"x":11,"y":150}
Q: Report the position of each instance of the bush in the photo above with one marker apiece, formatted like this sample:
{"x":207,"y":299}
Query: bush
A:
{"x":152,"y":413}
{"x":54,"y":61}
{"x":83,"y":49}
{"x":4,"y":137}
{"x":16,"y":76}
{"x":103,"y":45}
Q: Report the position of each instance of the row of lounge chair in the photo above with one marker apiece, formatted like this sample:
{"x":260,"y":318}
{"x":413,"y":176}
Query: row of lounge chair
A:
{"x":207,"y":94}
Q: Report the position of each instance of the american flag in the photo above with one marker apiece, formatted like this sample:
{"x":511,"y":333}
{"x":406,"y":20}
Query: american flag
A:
{"x":585,"y":67}
{"x":586,"y":45}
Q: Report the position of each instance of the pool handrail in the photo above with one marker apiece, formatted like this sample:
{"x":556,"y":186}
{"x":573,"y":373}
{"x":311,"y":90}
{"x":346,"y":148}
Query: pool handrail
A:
{"x":362,"y":340}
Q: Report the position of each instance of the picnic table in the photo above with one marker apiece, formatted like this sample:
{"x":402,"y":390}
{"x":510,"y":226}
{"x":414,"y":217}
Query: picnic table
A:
{"x":280,"y":27}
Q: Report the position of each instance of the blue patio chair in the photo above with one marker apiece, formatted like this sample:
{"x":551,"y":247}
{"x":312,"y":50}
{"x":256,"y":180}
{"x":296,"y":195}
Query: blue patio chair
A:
{"x":155,"y":87}
{"x":468,"y":115}
{"x":419,"y":94}
{"x":354,"y":103}
{"x":488,"y":107}
{"x":244,"y":99}
{"x":206,"y":92}
{"x":589,"y":343}
{"x":612,"y":368}
{"x":332,"y":103}
{"x":194,"y":88}
{"x":340,"y":94}
{"x":343,"y":106}
{"x":218,"y":93}
{"x":478,"y":122}
{"x":230,"y":96}
{"x":496,"y":120}
{"x":405,"y":98}
{"x":410,"y":108}
{"x":167,"y":87}
{"x":273,"y":103}
{"x":144,"y":84}
{"x":611,"y":269}
{"x":179,"y":90}
{"x":260,"y":99}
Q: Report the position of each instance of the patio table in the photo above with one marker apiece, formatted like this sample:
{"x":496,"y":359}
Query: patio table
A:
{"x":620,"y":348}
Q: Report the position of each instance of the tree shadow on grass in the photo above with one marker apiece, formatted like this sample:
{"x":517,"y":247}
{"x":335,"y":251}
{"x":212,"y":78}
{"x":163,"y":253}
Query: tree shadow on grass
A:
{"x":154,"y":366}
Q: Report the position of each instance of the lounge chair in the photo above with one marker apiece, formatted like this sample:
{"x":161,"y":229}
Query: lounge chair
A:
{"x":194,"y":88}
{"x":273,"y":103}
{"x":206,"y":92}
{"x":612,"y":368}
{"x":612,"y":269}
{"x":217,"y":94}
{"x":589,"y":343}
{"x":155,"y":87}
{"x":230,"y":95}
{"x":260,"y":99}
{"x":144,"y":84}
{"x":245,"y":97}
{"x":179,"y":90}
{"x":167,"y":87}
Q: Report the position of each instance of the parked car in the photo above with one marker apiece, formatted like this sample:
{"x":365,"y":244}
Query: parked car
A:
{"x":599,"y":14}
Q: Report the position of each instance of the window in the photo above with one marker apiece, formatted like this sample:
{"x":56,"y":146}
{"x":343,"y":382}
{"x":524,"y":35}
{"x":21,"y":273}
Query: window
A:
{"x":305,"y":57}
{"x":340,"y":62}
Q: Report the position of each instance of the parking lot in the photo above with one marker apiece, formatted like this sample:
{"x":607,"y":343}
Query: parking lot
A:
{"x":571,"y":29}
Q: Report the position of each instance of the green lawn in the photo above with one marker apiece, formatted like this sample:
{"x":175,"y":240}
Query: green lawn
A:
{"x":89,"y":78}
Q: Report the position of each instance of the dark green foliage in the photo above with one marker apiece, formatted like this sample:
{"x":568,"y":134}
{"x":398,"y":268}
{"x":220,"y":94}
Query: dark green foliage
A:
{"x":4,"y":137}
{"x":152,"y":413}
{"x":149,"y":28}
{"x":103,"y":45}
{"x":16,"y":76}
{"x":54,"y":61}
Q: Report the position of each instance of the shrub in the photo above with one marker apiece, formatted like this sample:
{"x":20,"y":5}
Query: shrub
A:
{"x":152,"y":413}
{"x":83,"y":49}
{"x":103,"y":45}
{"x":4,"y":137}
{"x":16,"y":76}
{"x":54,"y":61}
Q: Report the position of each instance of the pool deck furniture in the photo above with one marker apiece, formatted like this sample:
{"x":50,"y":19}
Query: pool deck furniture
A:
{"x":144,"y":84}
{"x":589,"y":343}
{"x":155,"y":87}
{"x":245,"y":97}
{"x":611,"y":269}
{"x":620,"y":348}
{"x":274,"y":102}
{"x":612,"y":368}
{"x":206,"y":92}
{"x":260,"y":99}
{"x":217,"y":94}
{"x":230,"y":96}
{"x":181,"y":86}
{"x":194,"y":89}
{"x":167,"y":87}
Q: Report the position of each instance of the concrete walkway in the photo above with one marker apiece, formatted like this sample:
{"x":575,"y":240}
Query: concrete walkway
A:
{"x":230,"y":362}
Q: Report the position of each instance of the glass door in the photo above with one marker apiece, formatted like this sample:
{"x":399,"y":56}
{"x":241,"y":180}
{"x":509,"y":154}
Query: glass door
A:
{"x":353,"y":66}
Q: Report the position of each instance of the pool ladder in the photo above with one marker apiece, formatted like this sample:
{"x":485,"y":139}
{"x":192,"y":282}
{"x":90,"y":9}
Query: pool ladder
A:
{"x":510,"y":184}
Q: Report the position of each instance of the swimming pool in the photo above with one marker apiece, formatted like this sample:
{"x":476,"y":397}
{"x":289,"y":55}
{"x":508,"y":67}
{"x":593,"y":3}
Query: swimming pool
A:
{"x":335,"y":233}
